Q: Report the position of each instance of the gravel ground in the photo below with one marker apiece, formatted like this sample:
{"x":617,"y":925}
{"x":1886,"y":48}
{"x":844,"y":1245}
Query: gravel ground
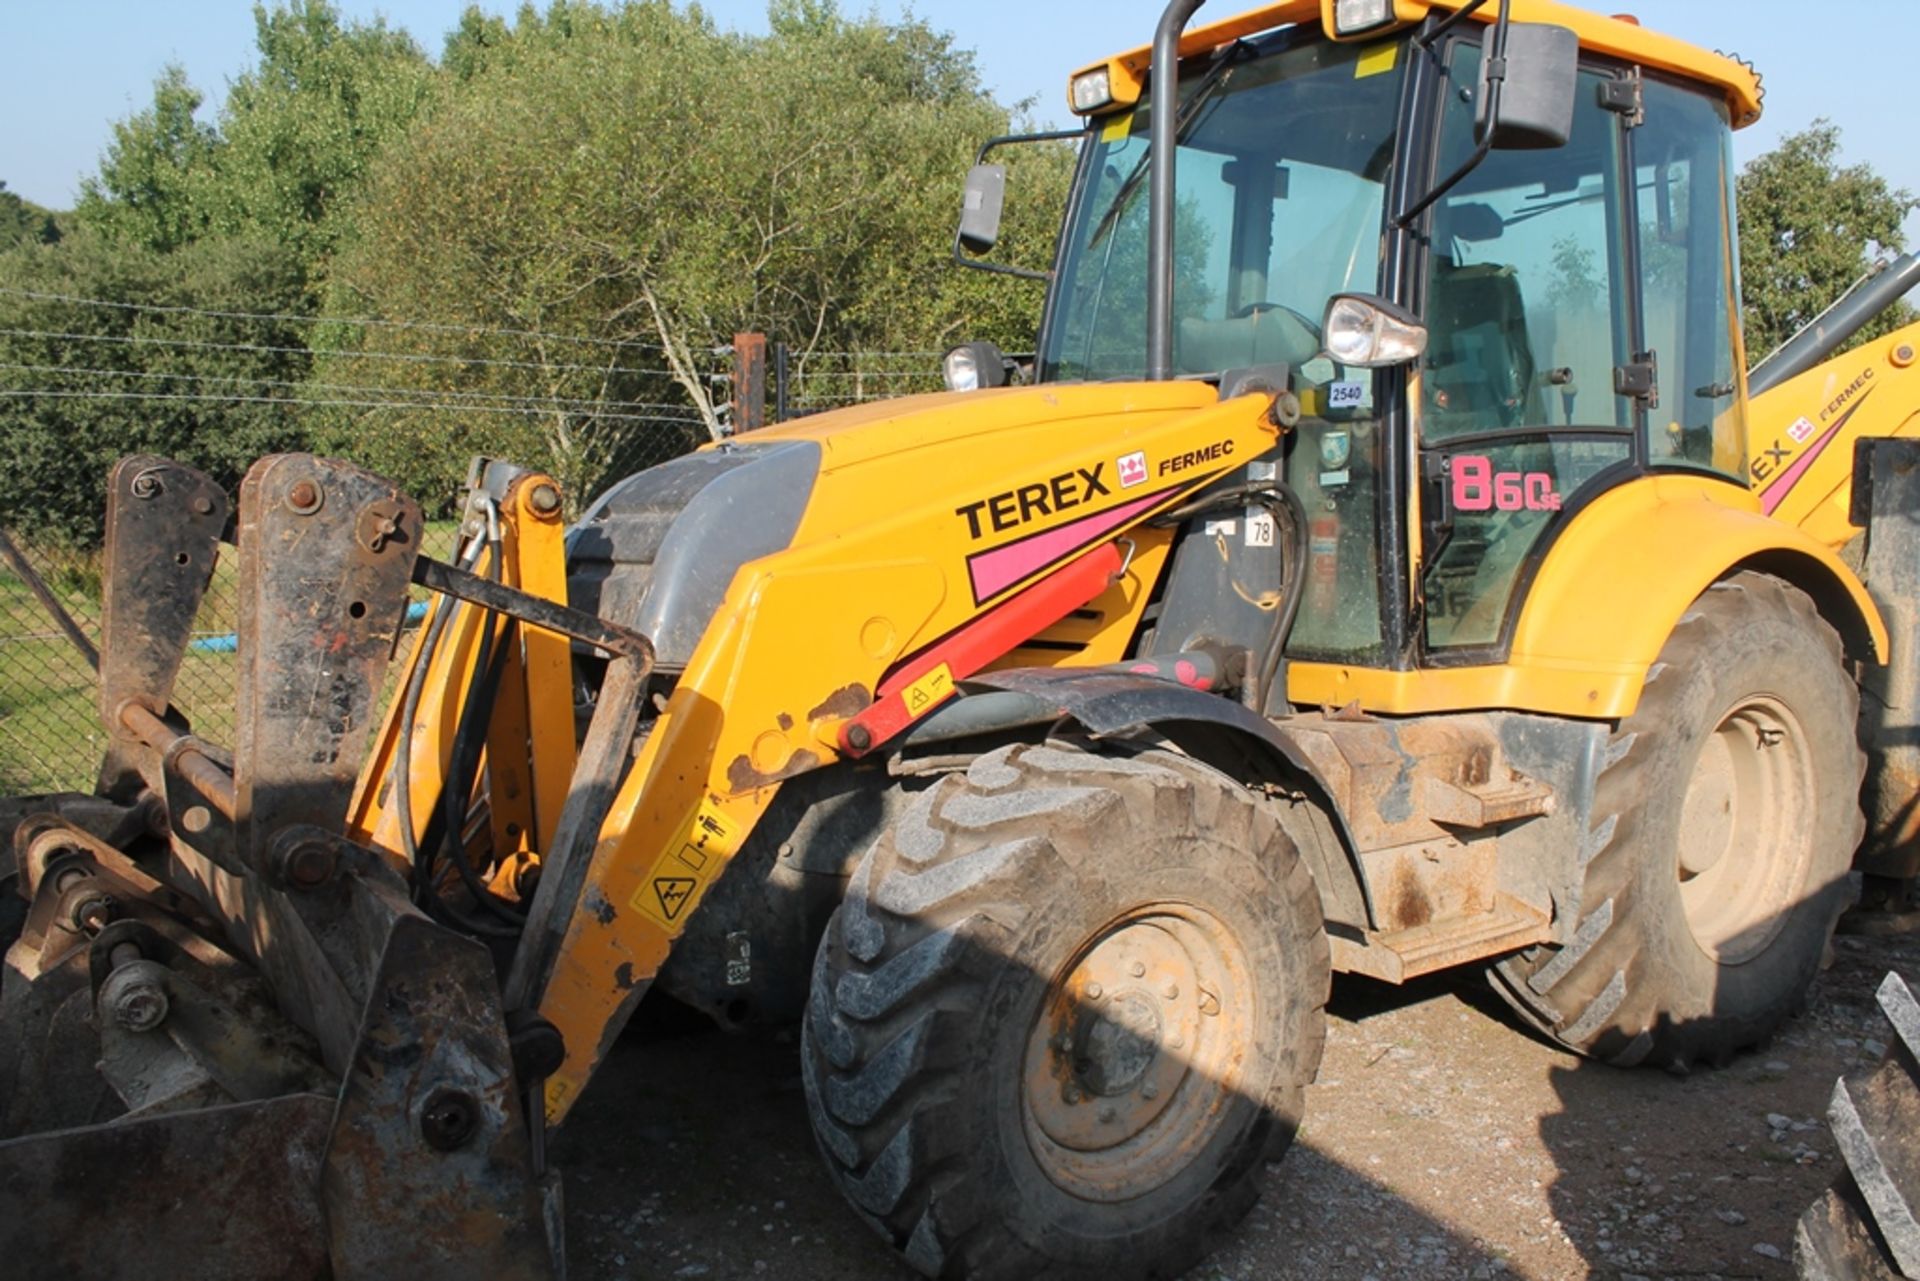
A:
{"x":1442,"y":1140}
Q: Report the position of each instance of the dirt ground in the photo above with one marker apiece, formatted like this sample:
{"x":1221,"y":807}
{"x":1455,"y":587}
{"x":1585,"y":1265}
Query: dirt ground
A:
{"x":1442,"y":1140}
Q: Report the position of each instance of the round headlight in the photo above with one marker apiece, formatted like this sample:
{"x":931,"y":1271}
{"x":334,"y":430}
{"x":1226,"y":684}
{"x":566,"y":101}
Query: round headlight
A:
{"x":974,"y":365}
{"x":961,"y":371}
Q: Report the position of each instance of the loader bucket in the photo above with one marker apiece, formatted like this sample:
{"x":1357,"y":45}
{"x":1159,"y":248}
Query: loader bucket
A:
{"x":230,"y":1044}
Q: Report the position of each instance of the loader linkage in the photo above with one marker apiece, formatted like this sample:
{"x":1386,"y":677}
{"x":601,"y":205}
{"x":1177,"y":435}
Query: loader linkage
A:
{"x":300,"y":1073}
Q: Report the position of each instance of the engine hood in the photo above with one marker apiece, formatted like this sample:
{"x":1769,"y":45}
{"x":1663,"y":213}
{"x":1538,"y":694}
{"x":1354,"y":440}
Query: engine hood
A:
{"x":658,"y":550}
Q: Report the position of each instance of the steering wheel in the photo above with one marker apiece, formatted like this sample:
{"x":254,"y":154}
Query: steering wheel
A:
{"x":1300,"y":318}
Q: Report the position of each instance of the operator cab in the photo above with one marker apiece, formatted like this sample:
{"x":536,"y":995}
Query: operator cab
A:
{"x":1578,"y":296}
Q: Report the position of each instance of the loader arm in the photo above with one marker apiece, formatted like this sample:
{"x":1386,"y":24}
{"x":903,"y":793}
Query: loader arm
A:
{"x":1803,"y":432}
{"x":826,"y":650}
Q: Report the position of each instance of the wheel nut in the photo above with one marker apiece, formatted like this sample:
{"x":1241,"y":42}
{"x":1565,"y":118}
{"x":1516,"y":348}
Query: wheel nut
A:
{"x":1176,"y":1042}
{"x":1139,"y":970}
{"x":1107,"y":1115}
{"x":1062,"y":1042}
{"x":1171,"y":991}
{"x":1094,"y":991}
{"x":1149,"y":1091}
{"x":1070,"y":1094}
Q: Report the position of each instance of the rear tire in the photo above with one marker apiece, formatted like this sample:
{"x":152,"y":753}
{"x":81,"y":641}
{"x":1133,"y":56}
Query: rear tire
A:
{"x":1724,"y":823}
{"x":1068,"y":1007}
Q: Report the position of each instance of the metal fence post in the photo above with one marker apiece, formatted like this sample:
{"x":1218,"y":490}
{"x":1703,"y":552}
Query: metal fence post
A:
{"x":749,"y":382}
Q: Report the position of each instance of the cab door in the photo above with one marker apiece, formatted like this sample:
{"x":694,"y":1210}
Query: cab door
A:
{"x":1525,"y":401}
{"x":1583,"y":314}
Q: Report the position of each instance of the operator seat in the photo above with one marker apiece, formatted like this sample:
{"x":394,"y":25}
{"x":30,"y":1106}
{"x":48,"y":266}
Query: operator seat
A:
{"x":1480,"y":358}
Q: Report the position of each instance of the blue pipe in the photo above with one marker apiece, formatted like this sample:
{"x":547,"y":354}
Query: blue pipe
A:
{"x":230,"y":642}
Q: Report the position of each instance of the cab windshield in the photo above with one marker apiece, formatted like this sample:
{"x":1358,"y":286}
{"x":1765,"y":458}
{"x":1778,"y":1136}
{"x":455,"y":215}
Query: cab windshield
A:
{"x":1281,"y":193}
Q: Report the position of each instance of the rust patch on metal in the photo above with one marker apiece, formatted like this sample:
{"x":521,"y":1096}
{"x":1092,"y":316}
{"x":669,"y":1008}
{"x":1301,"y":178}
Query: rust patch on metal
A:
{"x":786,"y":721}
{"x":743,"y":777}
{"x":602,"y":910}
{"x":623,"y":976}
{"x":1411,"y":907}
{"x":848,"y":700}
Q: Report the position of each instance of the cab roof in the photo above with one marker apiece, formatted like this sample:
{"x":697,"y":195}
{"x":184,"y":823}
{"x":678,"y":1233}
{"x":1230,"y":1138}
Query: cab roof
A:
{"x":1621,"y":38}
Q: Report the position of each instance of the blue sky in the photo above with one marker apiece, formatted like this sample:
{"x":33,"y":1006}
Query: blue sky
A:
{"x":74,"y":67}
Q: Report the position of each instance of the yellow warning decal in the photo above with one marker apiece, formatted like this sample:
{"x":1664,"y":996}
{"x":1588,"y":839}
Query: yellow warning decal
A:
{"x":693,"y":858}
{"x":1117,"y":128}
{"x":1376,"y":61}
{"x":923,"y":694}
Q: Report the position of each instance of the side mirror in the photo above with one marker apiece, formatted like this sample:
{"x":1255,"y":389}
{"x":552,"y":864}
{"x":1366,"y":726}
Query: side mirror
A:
{"x":1535,"y":75}
{"x":980,"y":210}
{"x":1534,"y":110}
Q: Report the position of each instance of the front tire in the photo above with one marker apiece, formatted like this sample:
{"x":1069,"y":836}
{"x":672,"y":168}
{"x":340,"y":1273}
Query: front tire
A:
{"x":1723,"y":826}
{"x":1068,"y":1007}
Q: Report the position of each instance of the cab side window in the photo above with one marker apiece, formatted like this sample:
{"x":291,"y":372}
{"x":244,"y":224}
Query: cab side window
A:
{"x":1689,"y":291}
{"x":1526,"y":297}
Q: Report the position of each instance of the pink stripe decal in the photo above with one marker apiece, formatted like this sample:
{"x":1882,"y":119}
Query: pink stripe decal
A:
{"x":995,"y":571}
{"x":1776,"y":493}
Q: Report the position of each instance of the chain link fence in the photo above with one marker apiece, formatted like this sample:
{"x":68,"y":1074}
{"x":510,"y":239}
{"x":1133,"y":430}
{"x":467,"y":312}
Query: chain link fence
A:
{"x":51,"y":736}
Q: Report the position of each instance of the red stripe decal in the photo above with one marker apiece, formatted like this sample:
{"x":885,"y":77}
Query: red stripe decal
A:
{"x":1776,"y":493}
{"x":995,"y":571}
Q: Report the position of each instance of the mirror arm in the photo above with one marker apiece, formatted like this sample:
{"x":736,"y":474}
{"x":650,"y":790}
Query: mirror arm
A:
{"x":995,"y":268}
{"x":1451,"y":20}
{"x":1496,"y":65}
{"x":991,"y":145}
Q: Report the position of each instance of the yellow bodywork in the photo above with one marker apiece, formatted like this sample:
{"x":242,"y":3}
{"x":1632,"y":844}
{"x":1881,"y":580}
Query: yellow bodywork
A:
{"x":1802,"y":432}
{"x":1595,"y":618}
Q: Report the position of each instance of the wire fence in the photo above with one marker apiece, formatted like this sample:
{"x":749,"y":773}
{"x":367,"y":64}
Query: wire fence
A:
{"x":809,"y":382}
{"x":51,"y":735}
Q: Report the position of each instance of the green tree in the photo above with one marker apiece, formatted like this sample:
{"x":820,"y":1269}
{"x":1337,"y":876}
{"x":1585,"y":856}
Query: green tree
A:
{"x":151,"y":188}
{"x":24,"y":223}
{"x":139,"y":367}
{"x":634,"y":186}
{"x":1809,"y":226}
{"x":292,"y":139}
{"x":298,"y":129}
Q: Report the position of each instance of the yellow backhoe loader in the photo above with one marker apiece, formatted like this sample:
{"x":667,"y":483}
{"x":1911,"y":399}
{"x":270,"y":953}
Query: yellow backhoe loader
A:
{"x":1386,"y":563}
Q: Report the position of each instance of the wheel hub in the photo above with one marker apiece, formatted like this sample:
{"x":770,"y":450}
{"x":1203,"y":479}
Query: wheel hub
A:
{"x":1136,"y":1052}
{"x":1746,"y":830}
{"x":1116,"y":1050}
